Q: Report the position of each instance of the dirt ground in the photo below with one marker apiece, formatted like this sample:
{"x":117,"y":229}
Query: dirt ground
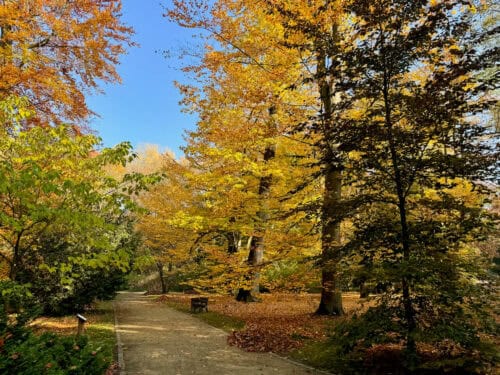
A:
{"x":155,"y":339}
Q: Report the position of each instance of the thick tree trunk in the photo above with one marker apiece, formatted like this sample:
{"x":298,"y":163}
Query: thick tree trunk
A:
{"x":331,"y":296}
{"x":255,"y":257}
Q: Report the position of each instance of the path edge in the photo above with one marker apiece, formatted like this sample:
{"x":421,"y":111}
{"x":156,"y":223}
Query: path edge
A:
{"x":300,"y":364}
{"x":119,"y":344}
{"x":272,"y":354}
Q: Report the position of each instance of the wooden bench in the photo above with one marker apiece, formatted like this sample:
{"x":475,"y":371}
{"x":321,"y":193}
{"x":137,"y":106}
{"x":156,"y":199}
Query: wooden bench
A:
{"x":199,"y":304}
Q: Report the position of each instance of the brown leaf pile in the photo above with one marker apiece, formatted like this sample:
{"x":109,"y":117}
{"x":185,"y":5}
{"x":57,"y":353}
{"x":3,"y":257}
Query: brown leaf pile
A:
{"x":279,"y":324}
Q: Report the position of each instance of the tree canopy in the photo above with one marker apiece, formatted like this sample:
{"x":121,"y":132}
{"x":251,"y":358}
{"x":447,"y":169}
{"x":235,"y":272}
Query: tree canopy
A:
{"x":339,"y":145}
{"x":391,"y":99}
{"x":54,"y":52}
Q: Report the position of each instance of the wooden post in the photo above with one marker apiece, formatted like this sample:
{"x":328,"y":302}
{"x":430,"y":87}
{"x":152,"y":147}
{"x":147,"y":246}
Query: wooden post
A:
{"x":81,"y":324}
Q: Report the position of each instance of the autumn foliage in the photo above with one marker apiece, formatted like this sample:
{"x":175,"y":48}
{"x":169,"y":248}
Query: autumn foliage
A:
{"x":353,"y":134}
{"x":340,"y":146}
{"x":55,"y":52}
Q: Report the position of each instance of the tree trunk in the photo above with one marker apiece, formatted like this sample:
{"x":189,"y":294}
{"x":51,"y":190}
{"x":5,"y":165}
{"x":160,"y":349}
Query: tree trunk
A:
{"x":364,"y":291}
{"x":255,"y":257}
{"x":245,"y":295}
{"x":233,"y":241}
{"x":16,"y":257}
{"x":331,"y":296}
{"x":13,"y":271}
{"x":256,"y":254}
{"x":411,"y":349}
{"x":164,"y":289}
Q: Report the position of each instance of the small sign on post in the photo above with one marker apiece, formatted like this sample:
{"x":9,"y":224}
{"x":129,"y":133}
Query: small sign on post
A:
{"x":81,"y":324}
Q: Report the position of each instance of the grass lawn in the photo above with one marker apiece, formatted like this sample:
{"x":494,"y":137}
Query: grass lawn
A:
{"x":215,"y":319}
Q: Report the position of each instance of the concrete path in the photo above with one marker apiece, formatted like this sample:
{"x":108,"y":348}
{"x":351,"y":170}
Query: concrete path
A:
{"x":155,"y":339}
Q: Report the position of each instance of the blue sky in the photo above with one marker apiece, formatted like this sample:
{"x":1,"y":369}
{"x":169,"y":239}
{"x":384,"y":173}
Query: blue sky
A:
{"x":144,"y":108}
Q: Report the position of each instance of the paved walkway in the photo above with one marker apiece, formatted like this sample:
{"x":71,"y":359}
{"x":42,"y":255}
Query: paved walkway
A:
{"x":155,"y":339}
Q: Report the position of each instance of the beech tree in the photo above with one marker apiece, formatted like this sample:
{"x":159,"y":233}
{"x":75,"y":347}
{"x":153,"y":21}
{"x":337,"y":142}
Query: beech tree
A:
{"x":53,"y":52}
{"x":244,"y":111}
{"x":166,"y":244}
{"x":312,"y":29}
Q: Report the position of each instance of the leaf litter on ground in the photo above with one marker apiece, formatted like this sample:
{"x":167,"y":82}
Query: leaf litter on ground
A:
{"x":281,"y":323}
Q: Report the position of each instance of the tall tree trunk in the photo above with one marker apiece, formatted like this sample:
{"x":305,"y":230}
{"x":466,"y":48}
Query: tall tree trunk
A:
{"x":331,"y":295}
{"x":256,"y":254}
{"x":164,"y":289}
{"x":233,"y":241}
{"x":15,"y":264}
{"x":411,"y":349}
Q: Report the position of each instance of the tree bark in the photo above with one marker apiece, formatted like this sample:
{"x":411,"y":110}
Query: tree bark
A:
{"x":331,"y":295}
{"x":164,"y":289}
{"x":257,"y":246}
{"x":16,"y":257}
{"x":233,"y":241}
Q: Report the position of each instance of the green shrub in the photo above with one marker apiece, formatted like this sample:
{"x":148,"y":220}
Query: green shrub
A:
{"x":96,"y":284}
{"x":28,"y":354}
{"x":24,"y":353}
{"x":57,"y":299}
{"x":372,"y":343}
{"x":17,"y":301}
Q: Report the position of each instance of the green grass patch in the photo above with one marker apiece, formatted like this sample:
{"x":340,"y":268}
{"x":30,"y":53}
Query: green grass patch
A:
{"x":101,"y":329}
{"x":224,"y":322}
{"x":317,"y":354}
